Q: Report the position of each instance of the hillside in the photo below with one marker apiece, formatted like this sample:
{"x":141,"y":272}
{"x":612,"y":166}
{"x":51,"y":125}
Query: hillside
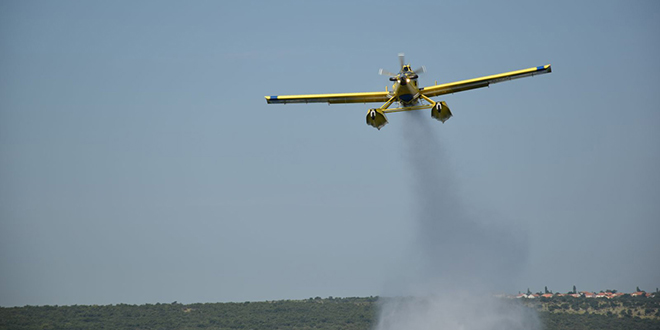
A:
{"x":313,"y":313}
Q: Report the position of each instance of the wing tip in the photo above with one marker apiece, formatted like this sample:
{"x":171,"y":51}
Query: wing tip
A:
{"x":545,"y":68}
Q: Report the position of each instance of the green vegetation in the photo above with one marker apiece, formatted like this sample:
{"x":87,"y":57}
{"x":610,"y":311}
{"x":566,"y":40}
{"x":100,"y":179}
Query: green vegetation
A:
{"x":564,"y":321}
{"x":621,"y":307}
{"x":314,"y":313}
{"x":624,"y":312}
{"x":317,"y":313}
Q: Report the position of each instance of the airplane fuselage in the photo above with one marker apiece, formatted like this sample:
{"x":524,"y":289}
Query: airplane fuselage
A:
{"x":406,"y":93}
{"x":405,"y":87}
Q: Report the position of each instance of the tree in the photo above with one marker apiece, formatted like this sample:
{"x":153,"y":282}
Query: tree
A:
{"x":546,"y":289}
{"x":574,"y":290}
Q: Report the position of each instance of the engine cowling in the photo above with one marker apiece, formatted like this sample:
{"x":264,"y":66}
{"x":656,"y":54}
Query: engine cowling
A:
{"x":376,"y":118}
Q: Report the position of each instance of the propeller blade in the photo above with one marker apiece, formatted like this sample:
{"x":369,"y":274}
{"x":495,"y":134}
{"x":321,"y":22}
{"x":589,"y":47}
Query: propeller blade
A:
{"x":401,"y":60}
{"x":384,"y":72}
{"x":421,"y":70}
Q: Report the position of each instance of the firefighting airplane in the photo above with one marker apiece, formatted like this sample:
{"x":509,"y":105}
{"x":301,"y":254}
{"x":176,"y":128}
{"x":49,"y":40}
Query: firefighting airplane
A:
{"x":407,"y":93}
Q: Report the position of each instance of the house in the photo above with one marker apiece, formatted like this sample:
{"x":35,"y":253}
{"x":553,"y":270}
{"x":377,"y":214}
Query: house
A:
{"x":587,"y":294}
{"x":547,"y":295}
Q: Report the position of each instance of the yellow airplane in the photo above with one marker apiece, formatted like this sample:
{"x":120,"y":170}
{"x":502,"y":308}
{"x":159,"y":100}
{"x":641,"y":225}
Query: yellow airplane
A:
{"x":407,"y":93}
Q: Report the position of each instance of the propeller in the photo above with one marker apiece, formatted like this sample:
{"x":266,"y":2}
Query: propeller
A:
{"x":420,"y":70}
{"x":402,"y":77}
{"x":384,"y":72}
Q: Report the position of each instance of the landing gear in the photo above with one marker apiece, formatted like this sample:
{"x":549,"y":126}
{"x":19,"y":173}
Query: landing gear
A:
{"x":440,"y":111}
{"x":376,"y":118}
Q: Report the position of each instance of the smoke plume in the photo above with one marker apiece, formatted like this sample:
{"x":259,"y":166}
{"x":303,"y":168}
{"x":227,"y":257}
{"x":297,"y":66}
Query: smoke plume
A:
{"x":462,"y":259}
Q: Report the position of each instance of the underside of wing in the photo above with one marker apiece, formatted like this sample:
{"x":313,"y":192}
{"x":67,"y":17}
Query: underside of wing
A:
{"x":330,"y":98}
{"x":464,"y":85}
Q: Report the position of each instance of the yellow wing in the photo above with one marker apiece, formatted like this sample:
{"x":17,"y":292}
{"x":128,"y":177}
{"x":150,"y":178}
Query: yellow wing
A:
{"x":464,"y":85}
{"x":330,"y":98}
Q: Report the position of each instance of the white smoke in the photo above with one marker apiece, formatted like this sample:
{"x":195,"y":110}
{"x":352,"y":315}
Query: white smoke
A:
{"x":455,"y":311}
{"x":462,"y":260}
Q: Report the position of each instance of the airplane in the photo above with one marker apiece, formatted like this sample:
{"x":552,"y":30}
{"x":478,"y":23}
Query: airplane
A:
{"x":407,"y":93}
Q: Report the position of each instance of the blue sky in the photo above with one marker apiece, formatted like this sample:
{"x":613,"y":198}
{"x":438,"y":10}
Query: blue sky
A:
{"x":139,"y":162}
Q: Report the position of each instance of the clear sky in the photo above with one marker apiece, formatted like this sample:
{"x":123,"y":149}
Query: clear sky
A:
{"x":140,"y":163}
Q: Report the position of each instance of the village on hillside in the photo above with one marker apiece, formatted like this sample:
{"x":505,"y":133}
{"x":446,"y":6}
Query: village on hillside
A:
{"x":608,"y":294}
